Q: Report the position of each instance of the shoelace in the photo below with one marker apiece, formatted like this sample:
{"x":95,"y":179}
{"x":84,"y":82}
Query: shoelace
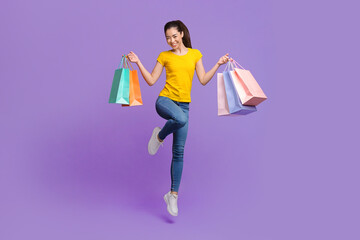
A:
{"x":174,"y":195}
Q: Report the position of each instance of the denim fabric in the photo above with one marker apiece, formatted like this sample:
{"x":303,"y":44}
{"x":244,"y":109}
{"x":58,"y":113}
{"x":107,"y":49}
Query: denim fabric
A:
{"x":177,"y":116}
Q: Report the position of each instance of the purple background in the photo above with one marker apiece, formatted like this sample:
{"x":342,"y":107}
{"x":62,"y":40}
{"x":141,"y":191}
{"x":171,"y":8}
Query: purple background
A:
{"x":74,"y":166}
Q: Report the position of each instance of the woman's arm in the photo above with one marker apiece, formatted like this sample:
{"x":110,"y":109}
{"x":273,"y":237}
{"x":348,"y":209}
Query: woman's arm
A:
{"x":203,"y":77}
{"x":149,"y":78}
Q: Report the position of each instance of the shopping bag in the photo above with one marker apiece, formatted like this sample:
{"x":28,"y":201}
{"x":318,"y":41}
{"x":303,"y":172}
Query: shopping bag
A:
{"x":134,"y":88}
{"x":120,"y":86}
{"x":223,"y":107}
{"x":233,"y":100}
{"x":246,"y":86}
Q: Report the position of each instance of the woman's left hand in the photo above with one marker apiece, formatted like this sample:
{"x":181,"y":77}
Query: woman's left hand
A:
{"x":223,"y":59}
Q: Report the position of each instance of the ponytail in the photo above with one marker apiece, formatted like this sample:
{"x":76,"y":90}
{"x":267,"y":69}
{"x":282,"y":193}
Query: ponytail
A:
{"x":180,"y":26}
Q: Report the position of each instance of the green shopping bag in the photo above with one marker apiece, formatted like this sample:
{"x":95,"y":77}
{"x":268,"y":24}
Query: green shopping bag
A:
{"x":120,"y":86}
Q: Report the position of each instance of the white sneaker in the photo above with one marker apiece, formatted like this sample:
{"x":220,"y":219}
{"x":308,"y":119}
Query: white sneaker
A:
{"x":154,"y":143}
{"x":171,"y":202}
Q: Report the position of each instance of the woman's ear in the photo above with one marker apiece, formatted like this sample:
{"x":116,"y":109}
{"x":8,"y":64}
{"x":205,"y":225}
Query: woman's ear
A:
{"x":182,"y":34}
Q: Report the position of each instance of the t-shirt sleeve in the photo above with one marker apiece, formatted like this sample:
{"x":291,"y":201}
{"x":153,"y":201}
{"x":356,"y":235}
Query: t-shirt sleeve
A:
{"x":161,"y":59}
{"x":198,"y":55}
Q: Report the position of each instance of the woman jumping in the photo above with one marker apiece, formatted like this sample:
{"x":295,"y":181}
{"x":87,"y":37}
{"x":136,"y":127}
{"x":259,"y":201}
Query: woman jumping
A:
{"x":173,"y":102}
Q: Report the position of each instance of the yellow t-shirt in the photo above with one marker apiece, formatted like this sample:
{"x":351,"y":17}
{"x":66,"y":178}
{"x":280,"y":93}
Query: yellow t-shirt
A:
{"x":179,"y":74}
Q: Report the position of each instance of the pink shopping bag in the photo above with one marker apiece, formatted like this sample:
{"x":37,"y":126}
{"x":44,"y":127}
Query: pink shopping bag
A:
{"x":223,"y":107}
{"x":247,"y":87}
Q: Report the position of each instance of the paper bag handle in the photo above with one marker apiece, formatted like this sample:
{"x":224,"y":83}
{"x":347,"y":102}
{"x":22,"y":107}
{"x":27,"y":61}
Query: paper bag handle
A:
{"x":128,"y":62}
{"x":122,"y":63}
{"x":236,"y":63}
{"x":227,"y":66}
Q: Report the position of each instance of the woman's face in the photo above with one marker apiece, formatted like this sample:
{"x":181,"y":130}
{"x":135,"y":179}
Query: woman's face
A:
{"x":174,"y":37}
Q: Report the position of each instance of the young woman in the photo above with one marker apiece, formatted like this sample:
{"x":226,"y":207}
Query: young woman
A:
{"x":173,"y":102}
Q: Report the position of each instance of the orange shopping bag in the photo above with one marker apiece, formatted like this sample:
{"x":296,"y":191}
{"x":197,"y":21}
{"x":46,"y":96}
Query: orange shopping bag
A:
{"x":134,"y":89}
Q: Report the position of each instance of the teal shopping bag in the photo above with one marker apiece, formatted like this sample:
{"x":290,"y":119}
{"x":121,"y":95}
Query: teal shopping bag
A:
{"x":120,"y":87}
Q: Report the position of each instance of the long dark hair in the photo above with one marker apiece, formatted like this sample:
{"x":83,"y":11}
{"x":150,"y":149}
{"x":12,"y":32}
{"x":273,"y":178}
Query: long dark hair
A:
{"x":180,"y":26}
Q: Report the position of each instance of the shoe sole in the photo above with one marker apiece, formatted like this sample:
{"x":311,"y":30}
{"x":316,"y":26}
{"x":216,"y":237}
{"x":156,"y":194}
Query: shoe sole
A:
{"x":152,"y":136}
{"x":168,"y":207}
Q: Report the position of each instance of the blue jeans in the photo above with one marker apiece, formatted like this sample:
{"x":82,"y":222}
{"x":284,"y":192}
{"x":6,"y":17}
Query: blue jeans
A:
{"x":177,"y":116}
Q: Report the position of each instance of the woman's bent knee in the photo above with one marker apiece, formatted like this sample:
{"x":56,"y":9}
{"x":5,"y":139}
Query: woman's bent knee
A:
{"x":181,"y":120}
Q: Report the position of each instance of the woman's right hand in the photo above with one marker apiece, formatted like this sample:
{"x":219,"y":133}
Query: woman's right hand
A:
{"x":132,"y":57}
